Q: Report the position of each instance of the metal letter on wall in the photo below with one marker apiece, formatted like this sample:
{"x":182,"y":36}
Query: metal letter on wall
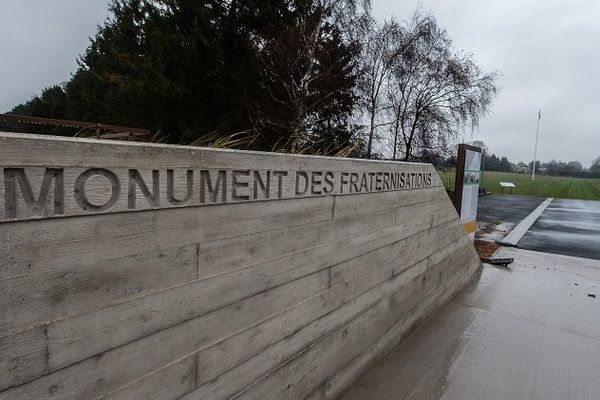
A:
{"x":466,"y":189}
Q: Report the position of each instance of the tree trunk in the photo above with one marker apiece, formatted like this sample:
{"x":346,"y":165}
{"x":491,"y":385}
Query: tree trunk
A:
{"x":371,"y":130}
{"x":396,"y":128}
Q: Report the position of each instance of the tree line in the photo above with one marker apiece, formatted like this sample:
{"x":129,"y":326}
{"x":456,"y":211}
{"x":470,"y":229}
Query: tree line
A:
{"x":553,"y":167}
{"x":302,"y":76}
{"x":571,"y":168}
{"x":495,"y":163}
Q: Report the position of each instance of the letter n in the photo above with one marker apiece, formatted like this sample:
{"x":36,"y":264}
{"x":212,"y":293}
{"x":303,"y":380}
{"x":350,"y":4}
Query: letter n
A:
{"x":37,"y":206}
{"x":136,"y":180}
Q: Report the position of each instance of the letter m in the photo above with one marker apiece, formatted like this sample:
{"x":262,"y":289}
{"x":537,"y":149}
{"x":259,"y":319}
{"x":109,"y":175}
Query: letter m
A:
{"x":14,"y":177}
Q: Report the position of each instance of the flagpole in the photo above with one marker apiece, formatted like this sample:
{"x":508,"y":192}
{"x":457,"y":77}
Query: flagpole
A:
{"x":537,"y":131}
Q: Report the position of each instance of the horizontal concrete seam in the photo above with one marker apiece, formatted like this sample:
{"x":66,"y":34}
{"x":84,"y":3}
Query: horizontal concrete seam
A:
{"x":357,"y":295}
{"x":390,"y":244}
{"x":376,"y":249}
{"x":191,"y":353}
{"x":512,"y":239}
{"x":410,"y":203}
{"x":223,"y":220}
{"x":124,"y":237}
{"x":380,"y":300}
{"x":428,"y":257}
{"x":170,"y":327}
{"x":184,"y":226}
{"x":328,"y":219}
{"x":318,"y":294}
{"x":229,"y":203}
{"x":255,"y":324}
{"x":377,"y":343}
{"x":370,"y":233}
{"x":148,"y":374}
{"x":305,"y":349}
{"x":323,"y":337}
{"x":429,"y":316}
{"x":24,"y":329}
{"x":428,"y":188}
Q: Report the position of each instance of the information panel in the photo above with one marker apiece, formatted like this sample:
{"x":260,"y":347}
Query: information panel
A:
{"x":466,"y":195}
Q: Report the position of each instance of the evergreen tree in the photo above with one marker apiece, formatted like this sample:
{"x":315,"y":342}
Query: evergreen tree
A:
{"x":505,"y":165}
{"x":190,"y":68}
{"x":595,"y":166}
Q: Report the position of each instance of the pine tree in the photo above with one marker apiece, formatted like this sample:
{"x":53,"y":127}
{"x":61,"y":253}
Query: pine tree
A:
{"x":189,"y":68}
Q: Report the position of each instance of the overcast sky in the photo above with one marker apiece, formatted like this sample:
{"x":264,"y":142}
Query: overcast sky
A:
{"x":547,"y":51}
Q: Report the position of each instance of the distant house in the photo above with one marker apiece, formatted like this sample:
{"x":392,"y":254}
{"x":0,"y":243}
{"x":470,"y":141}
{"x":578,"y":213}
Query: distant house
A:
{"x":521,"y":168}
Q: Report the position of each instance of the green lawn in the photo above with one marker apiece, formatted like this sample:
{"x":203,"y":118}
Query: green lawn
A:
{"x":543,"y":186}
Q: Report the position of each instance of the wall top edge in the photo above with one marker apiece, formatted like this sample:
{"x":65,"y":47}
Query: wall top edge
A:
{"x":72,"y":140}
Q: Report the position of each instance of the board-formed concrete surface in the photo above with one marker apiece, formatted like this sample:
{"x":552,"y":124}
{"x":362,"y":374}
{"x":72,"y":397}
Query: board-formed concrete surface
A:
{"x":530,"y":331}
{"x":569,"y":227}
{"x":139,"y":271}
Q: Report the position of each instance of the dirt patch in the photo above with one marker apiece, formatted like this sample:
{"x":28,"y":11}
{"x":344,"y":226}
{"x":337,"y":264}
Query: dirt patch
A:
{"x":485,"y":249}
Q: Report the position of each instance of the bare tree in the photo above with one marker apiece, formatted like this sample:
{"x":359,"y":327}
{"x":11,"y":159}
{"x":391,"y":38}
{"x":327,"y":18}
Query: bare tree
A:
{"x":293,"y":63}
{"x":432,"y":89}
{"x":380,"y":50}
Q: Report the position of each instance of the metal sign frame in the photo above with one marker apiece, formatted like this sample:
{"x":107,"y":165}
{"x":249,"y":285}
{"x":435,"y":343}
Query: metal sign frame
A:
{"x":459,"y":187}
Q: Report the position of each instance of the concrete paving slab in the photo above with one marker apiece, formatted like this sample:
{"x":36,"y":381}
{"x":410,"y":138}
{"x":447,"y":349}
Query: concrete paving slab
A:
{"x":569,"y":227}
{"x":521,"y":229}
{"x":530,"y":331}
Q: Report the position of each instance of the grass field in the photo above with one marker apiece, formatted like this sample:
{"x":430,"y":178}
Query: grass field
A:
{"x":543,"y":186}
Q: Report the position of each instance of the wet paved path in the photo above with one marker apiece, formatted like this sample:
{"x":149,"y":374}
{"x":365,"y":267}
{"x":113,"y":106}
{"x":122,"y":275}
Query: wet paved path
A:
{"x":526,"y":332}
{"x":570,"y":227}
{"x":506,"y":208}
{"x":499,"y":214}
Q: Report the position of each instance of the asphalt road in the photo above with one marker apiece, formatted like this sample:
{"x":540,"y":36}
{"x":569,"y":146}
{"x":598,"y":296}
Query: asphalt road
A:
{"x":569,"y":227}
{"x":506,"y":208}
{"x":499,"y":214}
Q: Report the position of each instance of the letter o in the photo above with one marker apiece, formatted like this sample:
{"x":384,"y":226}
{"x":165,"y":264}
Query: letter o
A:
{"x":81,"y":197}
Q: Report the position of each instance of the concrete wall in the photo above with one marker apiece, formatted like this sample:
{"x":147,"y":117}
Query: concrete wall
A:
{"x":129,"y":271}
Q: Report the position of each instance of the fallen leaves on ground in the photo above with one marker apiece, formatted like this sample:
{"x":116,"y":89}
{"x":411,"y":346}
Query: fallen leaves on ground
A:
{"x":485,"y":249}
